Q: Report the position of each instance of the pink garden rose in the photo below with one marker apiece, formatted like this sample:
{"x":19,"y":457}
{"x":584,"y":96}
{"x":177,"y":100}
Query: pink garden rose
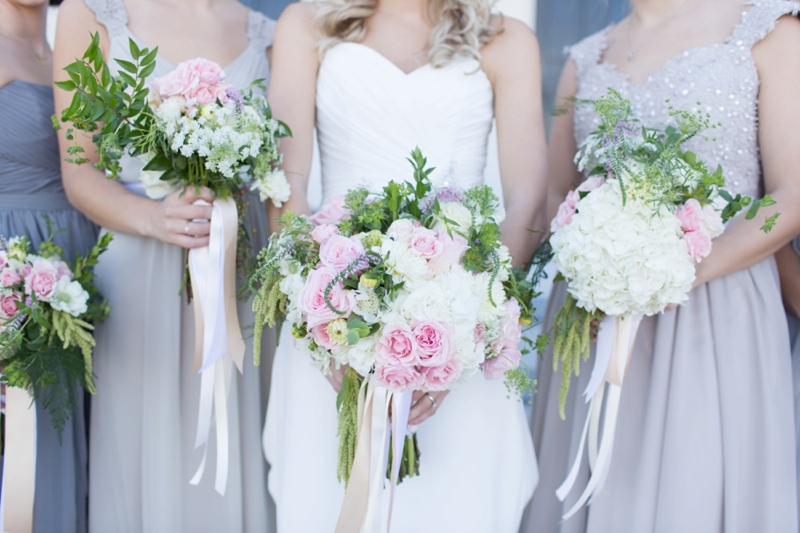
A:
{"x":699,"y":244}
{"x":425,"y":243}
{"x":8,"y":304}
{"x":590,"y":184}
{"x":332,"y":212}
{"x":321,"y":337}
{"x":401,"y":229}
{"x":312,"y":298}
{"x":511,"y":329}
{"x":3,"y":259}
{"x":442,"y":377}
{"x":323,"y":232}
{"x":338,"y":251}
{"x":497,"y":367}
{"x":569,"y":206}
{"x":198,"y":79}
{"x":41,"y":280}
{"x":397,"y":346}
{"x":9,"y":277}
{"x":453,"y":248}
{"x":691,"y":215}
{"x":434,"y":341}
{"x":63,"y":270}
{"x":712,"y":222}
{"x":398,"y":378}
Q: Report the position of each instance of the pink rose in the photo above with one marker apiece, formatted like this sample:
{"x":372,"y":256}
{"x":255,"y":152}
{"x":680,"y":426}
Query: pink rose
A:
{"x":425,"y":243}
{"x":563,"y":215}
{"x":187,"y":78}
{"x":9,"y":277}
{"x":323,"y":232}
{"x":510,"y":328}
{"x":8,"y":305}
{"x":699,"y":244}
{"x":712,"y":222}
{"x":321,"y":337}
{"x":398,"y":378}
{"x":42,"y":279}
{"x":208,"y":94}
{"x":312,"y":298}
{"x":3,"y":259}
{"x":434,"y":341}
{"x":401,"y":229}
{"x":63,"y":270}
{"x":338,"y":252}
{"x":26,"y":269}
{"x":397,"y":346}
{"x":590,"y":184}
{"x":498,"y":366}
{"x":441,"y":377}
{"x":453,"y":248}
{"x":332,"y":212}
{"x":691,"y":215}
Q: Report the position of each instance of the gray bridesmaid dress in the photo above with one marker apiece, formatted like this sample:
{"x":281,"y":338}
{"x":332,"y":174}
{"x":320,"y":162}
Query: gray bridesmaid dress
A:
{"x":705,"y":436}
{"x":30,"y":186}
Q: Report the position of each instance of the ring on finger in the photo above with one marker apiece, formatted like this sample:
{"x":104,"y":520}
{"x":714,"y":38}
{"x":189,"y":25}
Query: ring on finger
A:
{"x":433,"y":402}
{"x":186,"y":229}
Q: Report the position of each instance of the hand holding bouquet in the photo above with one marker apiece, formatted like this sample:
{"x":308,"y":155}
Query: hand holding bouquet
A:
{"x":410,"y":287}
{"x":627,"y":241}
{"x":47,"y":308}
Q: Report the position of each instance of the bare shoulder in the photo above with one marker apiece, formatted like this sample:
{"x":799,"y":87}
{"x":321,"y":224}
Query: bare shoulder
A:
{"x":785,"y":37}
{"x":76,"y":12}
{"x":75,"y":22}
{"x":514,"y":46}
{"x":299,"y":16}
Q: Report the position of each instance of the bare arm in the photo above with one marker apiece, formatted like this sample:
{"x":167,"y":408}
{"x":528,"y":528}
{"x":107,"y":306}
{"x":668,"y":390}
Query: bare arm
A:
{"x":743,"y":244}
{"x":789,"y":270}
{"x":104,"y":201}
{"x":511,"y":60}
{"x":292,"y":96}
{"x":564,"y":175}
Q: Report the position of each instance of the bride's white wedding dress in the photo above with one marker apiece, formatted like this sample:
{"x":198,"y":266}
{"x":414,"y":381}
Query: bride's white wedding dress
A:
{"x":478,"y":468}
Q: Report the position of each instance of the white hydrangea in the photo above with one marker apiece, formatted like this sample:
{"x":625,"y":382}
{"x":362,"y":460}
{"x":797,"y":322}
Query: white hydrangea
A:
{"x":69,"y":297}
{"x":623,"y":260}
{"x":274,"y":186}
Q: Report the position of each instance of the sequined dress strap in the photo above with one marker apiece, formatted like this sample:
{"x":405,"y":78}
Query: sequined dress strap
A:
{"x":587,"y":53}
{"x":761,"y":19}
{"x":260,"y":30}
{"x":111,"y":14}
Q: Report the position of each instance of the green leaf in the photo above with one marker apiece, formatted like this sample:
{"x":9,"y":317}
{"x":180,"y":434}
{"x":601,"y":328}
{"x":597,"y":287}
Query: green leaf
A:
{"x":135,"y":52}
{"x":127,"y":65}
{"x":67,"y":85}
{"x":352,"y":338}
{"x":753,"y":211}
{"x":150,"y":57}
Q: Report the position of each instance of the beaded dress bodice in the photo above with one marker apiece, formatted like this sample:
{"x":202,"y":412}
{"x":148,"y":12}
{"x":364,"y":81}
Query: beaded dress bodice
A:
{"x":718,"y":79}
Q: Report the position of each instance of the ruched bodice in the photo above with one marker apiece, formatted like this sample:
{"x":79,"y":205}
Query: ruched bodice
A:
{"x":371,"y":114}
{"x":718,"y":79}
{"x":29,"y":161}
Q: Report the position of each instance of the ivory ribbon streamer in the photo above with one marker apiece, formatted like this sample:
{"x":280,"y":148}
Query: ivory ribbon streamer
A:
{"x":362,"y":507}
{"x":614,"y":346}
{"x":218,"y":338}
{"x":19,"y":464}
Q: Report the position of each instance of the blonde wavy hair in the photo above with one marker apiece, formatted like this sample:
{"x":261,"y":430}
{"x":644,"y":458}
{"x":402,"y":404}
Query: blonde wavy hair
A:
{"x":461,"y":27}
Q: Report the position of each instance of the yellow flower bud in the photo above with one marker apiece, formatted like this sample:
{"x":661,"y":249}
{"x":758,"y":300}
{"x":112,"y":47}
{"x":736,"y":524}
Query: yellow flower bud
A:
{"x":208,"y":111}
{"x":526,"y":320}
{"x":369,"y":280}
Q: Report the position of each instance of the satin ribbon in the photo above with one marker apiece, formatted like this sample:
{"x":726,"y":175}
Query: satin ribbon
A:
{"x":362,"y":506}
{"x":612,"y":355}
{"x":19,"y":463}
{"x":218,"y":338}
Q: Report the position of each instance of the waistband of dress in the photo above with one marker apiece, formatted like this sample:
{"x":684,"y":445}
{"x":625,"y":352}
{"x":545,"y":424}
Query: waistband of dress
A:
{"x":55,"y":201}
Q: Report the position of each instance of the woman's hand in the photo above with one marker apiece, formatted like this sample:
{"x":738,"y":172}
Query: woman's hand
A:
{"x":336,"y":376}
{"x":424,"y":405}
{"x":176,"y":220}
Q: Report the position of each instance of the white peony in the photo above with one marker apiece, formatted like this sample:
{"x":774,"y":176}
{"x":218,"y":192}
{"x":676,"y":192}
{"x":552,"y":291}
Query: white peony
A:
{"x":69,"y":297}
{"x":457,"y":213}
{"x":171,"y":109}
{"x":154,"y":187}
{"x":274,"y":186}
{"x":404,"y":265}
{"x":623,"y":260}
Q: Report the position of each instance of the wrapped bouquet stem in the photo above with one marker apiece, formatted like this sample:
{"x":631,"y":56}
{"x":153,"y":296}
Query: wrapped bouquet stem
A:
{"x":191,"y":129}
{"x":627,"y":241}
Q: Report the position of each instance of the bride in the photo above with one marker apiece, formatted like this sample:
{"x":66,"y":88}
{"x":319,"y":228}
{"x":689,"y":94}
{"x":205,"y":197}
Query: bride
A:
{"x":378,"y":78}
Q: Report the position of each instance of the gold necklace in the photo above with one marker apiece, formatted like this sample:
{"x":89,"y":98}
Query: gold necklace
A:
{"x":41,"y":58}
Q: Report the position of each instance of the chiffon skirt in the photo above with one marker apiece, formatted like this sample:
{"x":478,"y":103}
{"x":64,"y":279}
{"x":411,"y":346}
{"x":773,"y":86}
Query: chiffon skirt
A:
{"x":477,"y":465}
{"x":705,"y":436}
{"x":144,"y":417}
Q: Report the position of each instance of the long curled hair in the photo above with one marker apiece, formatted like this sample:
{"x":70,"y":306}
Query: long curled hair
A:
{"x":461,"y":27}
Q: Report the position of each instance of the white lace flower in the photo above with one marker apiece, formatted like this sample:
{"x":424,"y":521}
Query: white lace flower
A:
{"x":274,"y":186}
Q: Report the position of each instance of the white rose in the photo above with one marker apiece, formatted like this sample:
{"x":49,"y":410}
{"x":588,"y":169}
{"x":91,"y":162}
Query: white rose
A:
{"x":273,"y":186}
{"x":457,"y":213}
{"x":361,"y":355}
{"x":154,"y":186}
{"x":170,"y":109}
{"x":69,"y":297}
{"x":403,"y":264}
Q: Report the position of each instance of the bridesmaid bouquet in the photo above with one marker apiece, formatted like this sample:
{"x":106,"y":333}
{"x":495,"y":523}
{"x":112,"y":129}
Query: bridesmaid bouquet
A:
{"x":47,"y":308}
{"x":192,"y":130}
{"x":627,"y":241}
{"x":409,"y":287}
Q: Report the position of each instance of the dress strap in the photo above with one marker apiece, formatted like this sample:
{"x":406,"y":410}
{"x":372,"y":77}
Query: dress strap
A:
{"x":761,"y":19}
{"x":588,"y":52}
{"x":111,"y":14}
{"x":260,"y":30}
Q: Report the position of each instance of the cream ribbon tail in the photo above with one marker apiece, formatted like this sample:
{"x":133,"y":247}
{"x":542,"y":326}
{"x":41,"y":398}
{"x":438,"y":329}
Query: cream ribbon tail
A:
{"x":19,"y":464}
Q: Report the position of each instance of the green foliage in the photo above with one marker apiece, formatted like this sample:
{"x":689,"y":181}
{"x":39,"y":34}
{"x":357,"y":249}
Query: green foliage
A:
{"x":347,"y":430}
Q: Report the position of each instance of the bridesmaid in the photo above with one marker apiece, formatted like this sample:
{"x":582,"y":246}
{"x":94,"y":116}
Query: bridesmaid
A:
{"x":705,"y":438}
{"x":144,"y":419}
{"x":30,"y":187}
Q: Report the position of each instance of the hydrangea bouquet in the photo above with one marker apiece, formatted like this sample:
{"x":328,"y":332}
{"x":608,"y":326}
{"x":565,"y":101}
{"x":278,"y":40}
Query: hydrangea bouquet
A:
{"x":47,"y":308}
{"x":627,"y":241}
{"x":409,"y":287}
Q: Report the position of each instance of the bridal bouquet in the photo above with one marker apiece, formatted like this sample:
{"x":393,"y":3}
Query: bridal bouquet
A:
{"x":192,"y":129}
{"x":627,"y":241}
{"x":410,"y":287}
{"x":47,"y":308}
